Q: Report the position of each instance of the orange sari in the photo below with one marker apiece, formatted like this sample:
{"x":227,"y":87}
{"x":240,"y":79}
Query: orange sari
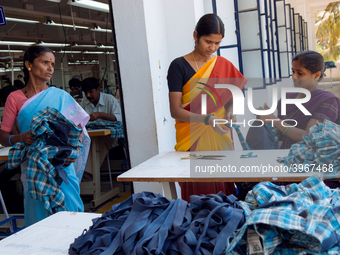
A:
{"x":195,"y":136}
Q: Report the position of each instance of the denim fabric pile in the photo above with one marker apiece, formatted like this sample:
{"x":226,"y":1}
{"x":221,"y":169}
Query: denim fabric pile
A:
{"x":147,"y":223}
{"x":294,"y":219}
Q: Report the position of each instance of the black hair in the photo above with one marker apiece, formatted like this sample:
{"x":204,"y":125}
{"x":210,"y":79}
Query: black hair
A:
{"x":32,"y":53}
{"x":74,"y":82}
{"x":6,"y":91}
{"x":312,"y":61}
{"x":90,"y":83}
{"x":19,"y":84}
{"x":209,"y":24}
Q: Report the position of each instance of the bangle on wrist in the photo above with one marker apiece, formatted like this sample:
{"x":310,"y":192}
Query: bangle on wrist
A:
{"x":287,"y":130}
{"x":206,"y":119}
{"x":9,"y":140}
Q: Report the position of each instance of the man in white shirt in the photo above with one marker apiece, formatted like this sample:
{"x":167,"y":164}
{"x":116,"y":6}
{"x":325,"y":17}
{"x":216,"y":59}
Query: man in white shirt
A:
{"x":100,"y":107}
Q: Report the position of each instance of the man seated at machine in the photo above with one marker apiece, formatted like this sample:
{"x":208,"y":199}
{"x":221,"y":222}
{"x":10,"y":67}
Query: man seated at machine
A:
{"x":101,"y":107}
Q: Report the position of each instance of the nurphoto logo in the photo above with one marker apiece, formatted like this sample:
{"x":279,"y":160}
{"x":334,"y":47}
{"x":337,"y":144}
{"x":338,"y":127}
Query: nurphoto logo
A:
{"x":238,"y":103}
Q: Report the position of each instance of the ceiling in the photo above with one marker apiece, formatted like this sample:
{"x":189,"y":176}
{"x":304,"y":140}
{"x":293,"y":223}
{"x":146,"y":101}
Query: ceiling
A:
{"x":80,"y":40}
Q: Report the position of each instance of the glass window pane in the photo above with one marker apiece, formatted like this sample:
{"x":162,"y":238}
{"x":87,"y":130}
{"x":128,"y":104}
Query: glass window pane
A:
{"x":252,"y":64}
{"x":232,"y":55}
{"x":246,"y":4}
{"x":249,"y":31}
{"x":225,"y":11}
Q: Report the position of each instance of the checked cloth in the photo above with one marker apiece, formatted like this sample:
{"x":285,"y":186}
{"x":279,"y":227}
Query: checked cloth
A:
{"x":116,"y":127}
{"x":322,"y":148}
{"x":294,"y":219}
{"x":46,"y":156}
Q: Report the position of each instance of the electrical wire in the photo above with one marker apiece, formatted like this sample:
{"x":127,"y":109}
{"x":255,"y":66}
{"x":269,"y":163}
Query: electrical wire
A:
{"x":7,"y":31}
{"x":106,"y":55}
{"x":65,"y":33}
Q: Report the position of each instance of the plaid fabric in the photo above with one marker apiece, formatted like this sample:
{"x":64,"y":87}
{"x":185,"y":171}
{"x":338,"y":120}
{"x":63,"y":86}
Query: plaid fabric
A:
{"x":293,"y":219}
{"x":275,"y":133}
{"x":243,"y":142}
{"x":43,"y":178}
{"x":321,"y":148}
{"x":116,"y":127}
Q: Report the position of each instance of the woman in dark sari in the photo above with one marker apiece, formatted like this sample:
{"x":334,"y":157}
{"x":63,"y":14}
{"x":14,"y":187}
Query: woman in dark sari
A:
{"x":308,"y":69}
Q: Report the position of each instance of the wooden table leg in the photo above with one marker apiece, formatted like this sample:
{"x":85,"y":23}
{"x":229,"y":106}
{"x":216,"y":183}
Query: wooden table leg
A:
{"x":169,"y":190}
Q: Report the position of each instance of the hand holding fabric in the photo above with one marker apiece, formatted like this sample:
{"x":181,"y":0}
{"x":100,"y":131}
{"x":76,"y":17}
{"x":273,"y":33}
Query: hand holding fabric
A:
{"x":220,"y":129}
{"x":94,"y":116}
{"x":27,"y":138}
{"x":230,"y":117}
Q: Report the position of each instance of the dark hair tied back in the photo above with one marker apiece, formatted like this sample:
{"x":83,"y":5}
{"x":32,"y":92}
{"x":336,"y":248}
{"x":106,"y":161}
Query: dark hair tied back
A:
{"x":32,"y":53}
{"x":312,"y":61}
{"x":209,"y":24}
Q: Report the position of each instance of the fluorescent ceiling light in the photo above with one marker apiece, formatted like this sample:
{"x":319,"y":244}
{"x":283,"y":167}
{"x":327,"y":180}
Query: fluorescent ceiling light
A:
{"x":11,"y":51}
{"x":69,"y":51}
{"x":16,"y":43}
{"x":99,"y":29}
{"x":54,"y":1}
{"x":89,"y":46}
{"x":15,"y":69}
{"x":22,"y":20}
{"x":107,"y":47}
{"x":89,"y":4}
{"x":54,"y":44}
{"x":98,"y":52}
{"x":52,"y":23}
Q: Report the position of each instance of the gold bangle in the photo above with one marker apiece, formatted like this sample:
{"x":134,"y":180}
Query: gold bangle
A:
{"x":287,"y":130}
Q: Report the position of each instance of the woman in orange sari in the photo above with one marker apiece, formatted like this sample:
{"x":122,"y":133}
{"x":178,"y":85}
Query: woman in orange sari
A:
{"x":189,"y":77}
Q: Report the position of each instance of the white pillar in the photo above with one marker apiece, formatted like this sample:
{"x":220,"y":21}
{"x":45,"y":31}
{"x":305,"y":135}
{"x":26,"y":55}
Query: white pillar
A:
{"x":150,"y":34}
{"x":61,"y":77}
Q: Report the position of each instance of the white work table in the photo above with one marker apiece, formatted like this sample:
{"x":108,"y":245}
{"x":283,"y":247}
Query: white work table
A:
{"x":168,"y":168}
{"x":4,"y":153}
{"x":51,"y":236}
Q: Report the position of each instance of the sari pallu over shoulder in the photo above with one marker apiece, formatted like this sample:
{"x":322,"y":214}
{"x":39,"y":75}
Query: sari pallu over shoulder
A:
{"x":65,"y":104}
{"x":198,"y":136}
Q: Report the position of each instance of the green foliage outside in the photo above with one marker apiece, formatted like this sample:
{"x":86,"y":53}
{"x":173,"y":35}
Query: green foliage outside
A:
{"x":328,"y":32}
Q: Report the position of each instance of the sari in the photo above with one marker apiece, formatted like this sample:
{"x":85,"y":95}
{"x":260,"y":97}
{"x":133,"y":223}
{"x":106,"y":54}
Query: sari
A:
{"x":196,"y":136}
{"x":68,"y":107}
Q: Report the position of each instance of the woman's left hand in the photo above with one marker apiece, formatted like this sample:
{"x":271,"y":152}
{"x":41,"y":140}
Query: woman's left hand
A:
{"x":230,"y":118}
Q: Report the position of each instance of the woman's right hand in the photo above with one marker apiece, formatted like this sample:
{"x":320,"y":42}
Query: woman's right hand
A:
{"x":219,"y":128}
{"x":27,"y":138}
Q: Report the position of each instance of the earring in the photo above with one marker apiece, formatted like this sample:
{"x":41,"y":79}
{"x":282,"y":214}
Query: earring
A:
{"x":29,"y":69}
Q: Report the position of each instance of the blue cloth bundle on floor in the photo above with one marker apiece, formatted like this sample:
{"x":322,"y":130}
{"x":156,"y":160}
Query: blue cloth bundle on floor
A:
{"x":294,"y":219}
{"x":147,"y":223}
